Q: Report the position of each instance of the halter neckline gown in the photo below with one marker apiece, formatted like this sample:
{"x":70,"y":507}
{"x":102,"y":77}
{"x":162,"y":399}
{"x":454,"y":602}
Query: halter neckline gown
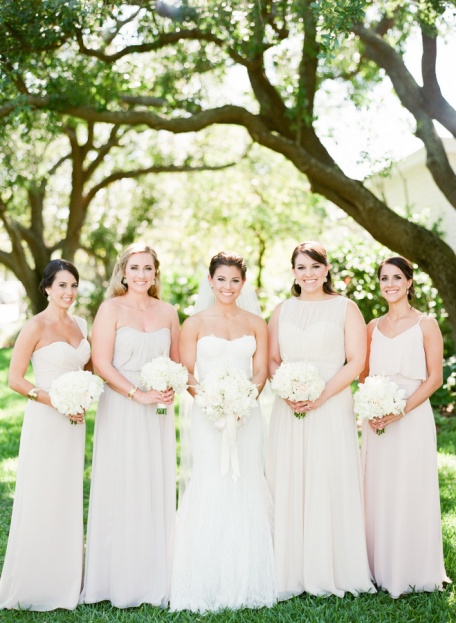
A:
{"x":314,"y":466}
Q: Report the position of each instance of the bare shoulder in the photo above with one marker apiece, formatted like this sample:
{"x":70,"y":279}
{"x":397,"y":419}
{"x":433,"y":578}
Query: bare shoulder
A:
{"x":276,"y":312}
{"x":166,"y":308}
{"x":193,"y":323}
{"x":429,"y":326}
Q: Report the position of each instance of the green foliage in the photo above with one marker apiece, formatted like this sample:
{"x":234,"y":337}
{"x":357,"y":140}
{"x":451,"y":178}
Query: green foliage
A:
{"x":354,"y":268}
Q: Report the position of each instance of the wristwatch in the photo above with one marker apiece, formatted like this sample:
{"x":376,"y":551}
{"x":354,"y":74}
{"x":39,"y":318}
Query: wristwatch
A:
{"x":33,"y":393}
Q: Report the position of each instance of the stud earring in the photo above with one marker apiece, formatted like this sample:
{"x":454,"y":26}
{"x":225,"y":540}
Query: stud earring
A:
{"x":326,"y":279}
{"x":123,"y":281}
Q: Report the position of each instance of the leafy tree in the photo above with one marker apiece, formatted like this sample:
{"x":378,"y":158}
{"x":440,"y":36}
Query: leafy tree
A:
{"x":160,"y":64}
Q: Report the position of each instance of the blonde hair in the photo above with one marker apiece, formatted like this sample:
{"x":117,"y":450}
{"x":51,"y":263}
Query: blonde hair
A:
{"x":116,"y":287}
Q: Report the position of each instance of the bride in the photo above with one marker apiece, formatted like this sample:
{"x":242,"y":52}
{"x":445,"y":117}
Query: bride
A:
{"x":223,"y":546}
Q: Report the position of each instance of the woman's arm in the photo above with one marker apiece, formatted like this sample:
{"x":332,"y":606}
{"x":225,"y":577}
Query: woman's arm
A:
{"x":260,"y":357}
{"x":24,"y":347}
{"x":274,"y":358}
{"x":370,"y":329}
{"x":187,"y":349}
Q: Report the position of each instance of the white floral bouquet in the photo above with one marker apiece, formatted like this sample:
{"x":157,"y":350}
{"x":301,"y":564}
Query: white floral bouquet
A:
{"x":378,"y":396}
{"x":297,"y":381}
{"x":226,"y":393}
{"x":163,"y":373}
{"x":74,"y":392}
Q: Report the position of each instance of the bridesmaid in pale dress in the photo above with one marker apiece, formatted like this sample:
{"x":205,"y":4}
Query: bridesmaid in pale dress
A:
{"x":132,"y":498}
{"x":401,"y":486}
{"x":44,"y":556}
{"x":313,"y":466}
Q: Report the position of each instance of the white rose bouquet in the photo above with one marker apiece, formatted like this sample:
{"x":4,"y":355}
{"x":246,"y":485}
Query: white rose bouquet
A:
{"x":226,"y":393}
{"x":163,"y":373}
{"x":226,"y":397}
{"x":378,"y":396}
{"x":74,"y":392}
{"x":297,"y":381}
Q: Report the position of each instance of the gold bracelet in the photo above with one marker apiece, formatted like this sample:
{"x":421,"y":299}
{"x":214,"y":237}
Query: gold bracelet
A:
{"x":33,"y":393}
{"x":132,"y":392}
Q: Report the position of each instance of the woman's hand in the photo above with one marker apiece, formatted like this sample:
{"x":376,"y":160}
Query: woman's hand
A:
{"x":379,"y":424}
{"x":155,"y":397}
{"x":305,"y":406}
{"x":77,"y":418}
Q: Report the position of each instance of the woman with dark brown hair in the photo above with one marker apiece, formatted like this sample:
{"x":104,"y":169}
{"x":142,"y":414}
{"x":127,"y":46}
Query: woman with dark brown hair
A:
{"x":44,"y":558}
{"x":313,"y":467}
{"x":401,"y":487}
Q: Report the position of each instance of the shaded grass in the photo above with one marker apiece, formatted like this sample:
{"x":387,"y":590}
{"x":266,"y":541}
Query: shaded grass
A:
{"x":438,"y":607}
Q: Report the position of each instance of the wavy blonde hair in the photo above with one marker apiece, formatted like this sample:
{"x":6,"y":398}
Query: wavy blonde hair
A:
{"x":116,"y":287}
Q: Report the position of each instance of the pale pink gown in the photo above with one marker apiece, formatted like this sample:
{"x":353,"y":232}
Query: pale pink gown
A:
{"x":401,"y":487}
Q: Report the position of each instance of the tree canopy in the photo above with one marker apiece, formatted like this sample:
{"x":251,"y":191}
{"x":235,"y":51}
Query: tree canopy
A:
{"x":182,"y":67}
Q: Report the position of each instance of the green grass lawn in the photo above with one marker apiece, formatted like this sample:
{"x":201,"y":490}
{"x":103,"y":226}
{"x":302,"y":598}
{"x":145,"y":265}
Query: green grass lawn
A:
{"x":439,"y":607}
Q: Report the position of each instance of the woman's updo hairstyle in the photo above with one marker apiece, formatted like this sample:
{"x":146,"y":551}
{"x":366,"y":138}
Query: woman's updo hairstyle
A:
{"x":226,"y":258}
{"x":405,"y":267}
{"x":52,"y":269}
{"x":318,"y":253}
{"x":116,"y":286}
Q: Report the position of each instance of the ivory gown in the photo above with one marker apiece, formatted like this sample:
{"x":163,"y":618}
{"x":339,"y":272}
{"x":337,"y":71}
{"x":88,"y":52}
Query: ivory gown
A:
{"x":132,"y":498}
{"x":401,"y":487}
{"x":44,"y":557}
{"x":223,"y":551}
{"x":314,"y":466}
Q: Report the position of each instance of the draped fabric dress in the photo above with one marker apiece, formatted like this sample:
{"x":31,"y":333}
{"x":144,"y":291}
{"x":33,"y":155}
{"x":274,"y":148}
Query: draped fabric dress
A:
{"x":314,"y":466}
{"x":132,"y":498}
{"x":401,"y":487}
{"x":44,"y":558}
{"x":223,"y":550}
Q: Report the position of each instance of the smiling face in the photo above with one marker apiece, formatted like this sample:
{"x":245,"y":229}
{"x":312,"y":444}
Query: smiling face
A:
{"x":227,"y":283}
{"x":140,"y":272}
{"x":64,"y":289}
{"x":393,"y":283}
{"x":309,"y":274}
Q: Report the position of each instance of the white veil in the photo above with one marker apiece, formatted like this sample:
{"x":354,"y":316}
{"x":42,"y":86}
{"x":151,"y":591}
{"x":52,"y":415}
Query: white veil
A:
{"x":248,"y":301}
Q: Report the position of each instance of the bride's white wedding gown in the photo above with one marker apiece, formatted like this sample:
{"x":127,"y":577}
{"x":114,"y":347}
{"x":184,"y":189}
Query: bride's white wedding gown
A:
{"x":223,"y":554}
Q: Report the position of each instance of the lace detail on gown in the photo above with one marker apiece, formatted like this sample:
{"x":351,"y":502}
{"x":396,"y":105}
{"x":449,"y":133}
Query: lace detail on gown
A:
{"x":223,"y":554}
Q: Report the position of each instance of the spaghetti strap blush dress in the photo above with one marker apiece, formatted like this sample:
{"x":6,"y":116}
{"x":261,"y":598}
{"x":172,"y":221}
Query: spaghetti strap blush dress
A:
{"x":133,"y":493}
{"x":314,"y":466}
{"x":44,"y":557}
{"x":401,"y":487}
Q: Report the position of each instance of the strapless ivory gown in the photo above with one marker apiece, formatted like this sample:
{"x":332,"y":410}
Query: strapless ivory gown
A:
{"x":133,"y":494}
{"x":314,"y":466}
{"x":401,"y":486}
{"x":44,"y":557}
{"x":223,"y":549}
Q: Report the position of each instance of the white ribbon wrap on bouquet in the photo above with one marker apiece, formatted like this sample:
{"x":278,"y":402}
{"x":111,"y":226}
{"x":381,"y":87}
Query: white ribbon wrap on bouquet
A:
{"x":229,"y":454}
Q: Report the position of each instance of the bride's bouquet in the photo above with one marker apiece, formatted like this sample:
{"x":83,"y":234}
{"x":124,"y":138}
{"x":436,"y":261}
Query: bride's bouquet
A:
{"x":378,"y":396}
{"x":163,"y":373}
{"x":226,"y":398}
{"x":297,"y":381}
{"x":74,"y":392}
{"x":224,"y":394}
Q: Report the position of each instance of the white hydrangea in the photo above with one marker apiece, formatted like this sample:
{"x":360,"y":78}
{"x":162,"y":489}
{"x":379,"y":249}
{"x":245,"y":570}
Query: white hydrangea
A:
{"x":163,"y":373}
{"x":74,"y":392}
{"x":378,"y":396}
{"x":298,"y":381}
{"x":227,"y":393}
